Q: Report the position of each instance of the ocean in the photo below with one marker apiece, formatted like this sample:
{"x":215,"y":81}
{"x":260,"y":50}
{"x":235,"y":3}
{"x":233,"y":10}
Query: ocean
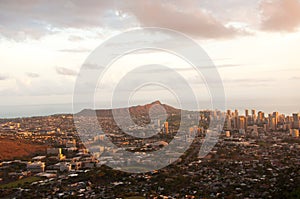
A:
{"x":34,"y":110}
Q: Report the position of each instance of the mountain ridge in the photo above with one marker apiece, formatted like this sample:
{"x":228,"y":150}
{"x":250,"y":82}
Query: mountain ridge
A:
{"x":137,"y":110}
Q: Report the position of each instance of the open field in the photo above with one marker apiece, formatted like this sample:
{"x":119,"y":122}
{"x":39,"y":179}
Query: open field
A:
{"x":11,"y":149}
{"x":20,"y":183}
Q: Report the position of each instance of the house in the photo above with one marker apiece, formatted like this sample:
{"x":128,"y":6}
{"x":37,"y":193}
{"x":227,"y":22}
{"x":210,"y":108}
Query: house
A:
{"x":36,"y":167}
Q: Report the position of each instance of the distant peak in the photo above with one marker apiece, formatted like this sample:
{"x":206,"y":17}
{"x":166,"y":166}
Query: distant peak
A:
{"x":156,"y":102}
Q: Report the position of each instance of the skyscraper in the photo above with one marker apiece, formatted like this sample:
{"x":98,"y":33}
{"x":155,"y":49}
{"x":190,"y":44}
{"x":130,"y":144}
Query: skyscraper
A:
{"x":229,"y":113}
{"x":272,"y":123}
{"x":296,"y":123}
{"x":236,"y":113}
{"x":236,"y":119}
{"x":246,"y":112}
{"x":242,"y":123}
{"x":166,"y":127}
{"x":254,"y":117}
{"x":276,"y":117}
{"x":260,"y":117}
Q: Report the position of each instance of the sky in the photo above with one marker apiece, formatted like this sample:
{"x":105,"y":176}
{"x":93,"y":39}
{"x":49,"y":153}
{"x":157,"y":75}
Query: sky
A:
{"x":254,"y":44}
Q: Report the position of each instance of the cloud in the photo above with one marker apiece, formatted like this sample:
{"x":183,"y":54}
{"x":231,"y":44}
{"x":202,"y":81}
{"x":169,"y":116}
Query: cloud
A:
{"x":75,"y":38}
{"x":203,"y":19}
{"x":35,"y":19}
{"x":25,"y":86}
{"x":3,"y":77}
{"x":76,"y":50}
{"x":295,"y":78}
{"x":247,"y":80}
{"x":233,"y":10}
{"x":32,"y":75}
{"x":280,"y":15}
{"x":185,"y":17}
{"x":65,"y":71}
{"x":92,"y":66}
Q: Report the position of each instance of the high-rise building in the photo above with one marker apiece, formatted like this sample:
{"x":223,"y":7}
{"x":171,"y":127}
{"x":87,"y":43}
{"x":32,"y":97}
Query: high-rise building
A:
{"x":246,"y":112}
{"x":236,"y":113}
{"x":254,"y":117}
{"x":229,"y":112}
{"x":296,"y":116}
{"x":255,"y":130}
{"x":227,"y":124}
{"x":276,"y":117}
{"x":295,"y":133}
{"x":296,"y":123}
{"x":242,"y":123}
{"x":236,"y":119}
{"x":260,"y":117}
{"x":272,"y":122}
{"x":166,"y":127}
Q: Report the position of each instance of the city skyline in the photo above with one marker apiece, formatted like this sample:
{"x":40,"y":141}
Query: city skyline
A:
{"x":52,"y":109}
{"x":51,"y":158}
